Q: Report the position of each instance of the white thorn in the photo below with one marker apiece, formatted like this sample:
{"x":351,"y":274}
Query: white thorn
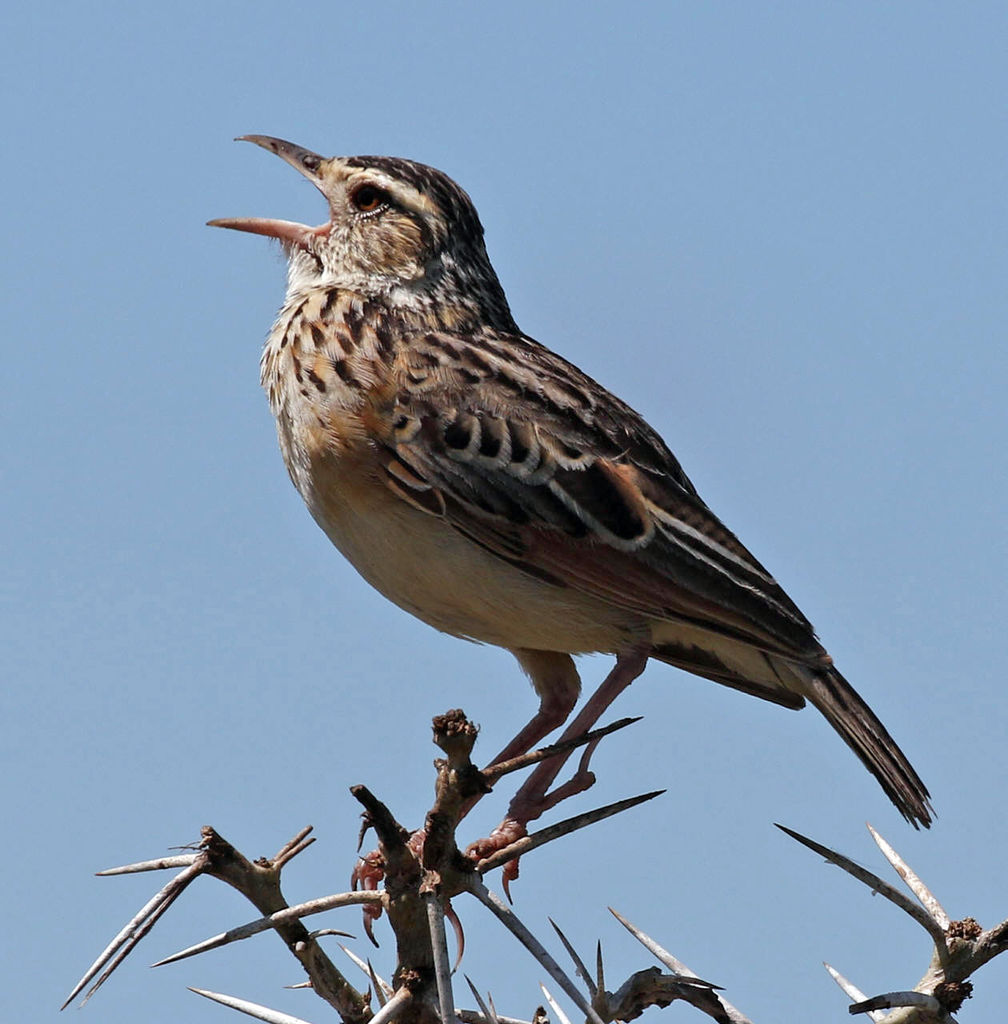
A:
{"x":916,"y":886}
{"x":150,"y":865}
{"x":509,"y":919}
{"x":252,"y":1009}
{"x":561,"y":1016}
{"x":852,"y":991}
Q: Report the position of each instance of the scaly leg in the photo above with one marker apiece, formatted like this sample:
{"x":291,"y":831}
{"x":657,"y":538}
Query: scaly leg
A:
{"x":555,"y":679}
{"x":533,"y":798}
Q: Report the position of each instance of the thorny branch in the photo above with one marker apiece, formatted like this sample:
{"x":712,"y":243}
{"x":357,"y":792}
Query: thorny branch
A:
{"x":960,"y":948}
{"x":421,"y":873}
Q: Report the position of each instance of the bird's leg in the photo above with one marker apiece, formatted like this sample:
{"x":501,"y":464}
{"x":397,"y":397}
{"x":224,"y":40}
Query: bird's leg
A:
{"x":555,"y":678}
{"x":534,"y":798}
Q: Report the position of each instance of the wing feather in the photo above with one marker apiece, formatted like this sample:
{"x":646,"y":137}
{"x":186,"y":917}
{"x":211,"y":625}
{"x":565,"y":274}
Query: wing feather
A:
{"x":535,"y":461}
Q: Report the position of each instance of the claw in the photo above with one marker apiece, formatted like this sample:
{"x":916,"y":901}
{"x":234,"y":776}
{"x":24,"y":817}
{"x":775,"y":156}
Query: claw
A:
{"x":365,"y":825}
{"x":507,"y":832}
{"x":369,"y":916}
{"x":367,"y":873}
{"x":459,"y":934}
{"x":415,"y":843}
{"x":509,"y":875}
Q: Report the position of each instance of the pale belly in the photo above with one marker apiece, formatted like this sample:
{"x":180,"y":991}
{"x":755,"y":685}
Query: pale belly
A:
{"x":428,"y":568}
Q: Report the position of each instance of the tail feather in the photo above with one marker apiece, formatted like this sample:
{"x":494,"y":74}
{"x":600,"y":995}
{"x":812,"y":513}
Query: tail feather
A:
{"x":867,"y":737}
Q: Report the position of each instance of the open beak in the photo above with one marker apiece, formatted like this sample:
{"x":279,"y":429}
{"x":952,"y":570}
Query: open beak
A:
{"x":289,"y":232}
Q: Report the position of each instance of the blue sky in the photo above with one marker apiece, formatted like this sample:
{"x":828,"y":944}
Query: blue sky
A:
{"x":777,"y":230}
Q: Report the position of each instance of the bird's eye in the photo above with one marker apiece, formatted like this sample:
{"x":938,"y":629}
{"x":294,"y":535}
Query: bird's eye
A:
{"x":367,"y":198}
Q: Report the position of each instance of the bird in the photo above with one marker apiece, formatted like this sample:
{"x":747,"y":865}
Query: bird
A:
{"x":495,"y":491}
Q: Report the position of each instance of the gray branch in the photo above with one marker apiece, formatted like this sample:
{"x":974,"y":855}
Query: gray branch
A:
{"x":960,"y":948}
{"x":420,"y":874}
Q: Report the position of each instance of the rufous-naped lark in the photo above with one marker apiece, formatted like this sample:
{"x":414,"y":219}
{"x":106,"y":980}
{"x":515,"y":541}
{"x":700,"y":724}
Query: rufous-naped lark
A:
{"x":489,"y":487}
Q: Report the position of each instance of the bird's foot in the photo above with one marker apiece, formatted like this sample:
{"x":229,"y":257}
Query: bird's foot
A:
{"x":369,"y":871}
{"x":506,"y":833}
{"x":509,"y":831}
{"x":528,"y":804}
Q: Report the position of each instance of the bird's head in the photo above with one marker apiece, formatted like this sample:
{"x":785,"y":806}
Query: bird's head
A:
{"x":397,"y":230}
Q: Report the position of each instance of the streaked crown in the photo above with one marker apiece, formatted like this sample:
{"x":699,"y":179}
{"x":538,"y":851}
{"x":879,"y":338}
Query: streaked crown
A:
{"x":397,"y":230}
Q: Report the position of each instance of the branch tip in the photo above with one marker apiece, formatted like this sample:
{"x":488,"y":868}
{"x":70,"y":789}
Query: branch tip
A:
{"x":135,"y":929}
{"x":382,"y":988}
{"x":510,"y":920}
{"x":252,"y":1009}
{"x":876,"y":884}
{"x":896,"y":1000}
{"x":561,"y":1016}
{"x":292,"y":844}
{"x":159,"y":864}
{"x":579,"y":966}
{"x":852,"y":991}
{"x":285,"y":916}
{"x":493,"y":772}
{"x":546,"y":835}
{"x":391,"y":1010}
{"x":677,"y":967}
{"x":913,"y":882}
{"x":489,"y":1013}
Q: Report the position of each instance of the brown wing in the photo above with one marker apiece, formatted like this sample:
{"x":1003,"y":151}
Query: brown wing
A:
{"x":538,"y":463}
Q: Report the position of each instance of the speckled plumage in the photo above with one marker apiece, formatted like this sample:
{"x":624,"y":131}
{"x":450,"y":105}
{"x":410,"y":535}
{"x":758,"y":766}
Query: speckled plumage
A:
{"x":489,"y":487}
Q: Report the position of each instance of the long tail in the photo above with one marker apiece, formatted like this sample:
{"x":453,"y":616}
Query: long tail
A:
{"x":868,"y":738}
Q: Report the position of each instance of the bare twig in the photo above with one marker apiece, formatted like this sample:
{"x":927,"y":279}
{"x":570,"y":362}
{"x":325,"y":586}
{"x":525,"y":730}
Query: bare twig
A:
{"x":992,"y":942}
{"x":138,"y":926}
{"x":293,"y":847}
{"x":650,"y":988}
{"x":578,"y":963}
{"x":875,"y":883}
{"x":182,"y":861}
{"x":489,"y":1014}
{"x":677,"y":967}
{"x":561,"y":828}
{"x":472,"y":1017}
{"x":914,"y":884}
{"x":960,"y":947}
{"x":496,"y":771}
{"x":393,"y":1008}
{"x":424,"y":871}
{"x":896,"y":1000}
{"x":852,"y":991}
{"x":252,"y":1009}
{"x":382,"y":988}
{"x":439,"y":946}
{"x":509,"y":919}
{"x":262,"y":924}
{"x":561,"y":1016}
